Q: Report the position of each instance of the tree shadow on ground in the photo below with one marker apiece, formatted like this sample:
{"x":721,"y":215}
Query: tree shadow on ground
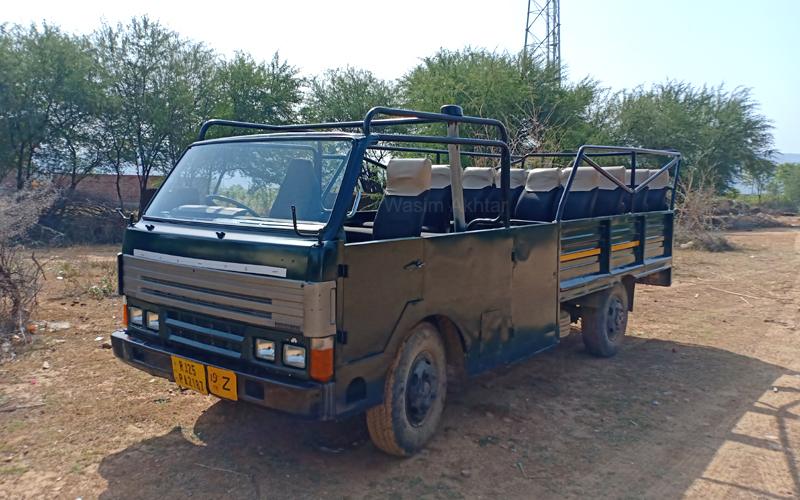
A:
{"x":560,"y":424}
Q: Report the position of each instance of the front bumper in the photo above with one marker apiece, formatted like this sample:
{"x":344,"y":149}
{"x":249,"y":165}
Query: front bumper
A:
{"x":302,"y":398}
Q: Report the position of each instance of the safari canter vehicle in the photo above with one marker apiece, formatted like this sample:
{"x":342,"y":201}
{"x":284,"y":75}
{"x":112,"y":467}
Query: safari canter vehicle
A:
{"x":329,"y":269}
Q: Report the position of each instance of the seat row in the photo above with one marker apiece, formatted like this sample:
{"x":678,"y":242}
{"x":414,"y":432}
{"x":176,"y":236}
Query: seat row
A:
{"x":418,"y":195}
{"x":592,"y":194}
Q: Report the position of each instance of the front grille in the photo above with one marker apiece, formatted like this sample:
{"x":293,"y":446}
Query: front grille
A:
{"x":247,"y":299}
{"x":206,"y":334}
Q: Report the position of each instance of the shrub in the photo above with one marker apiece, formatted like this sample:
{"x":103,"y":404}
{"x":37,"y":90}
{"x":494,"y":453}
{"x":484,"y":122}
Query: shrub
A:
{"x":695,"y":216}
{"x":20,"y":274}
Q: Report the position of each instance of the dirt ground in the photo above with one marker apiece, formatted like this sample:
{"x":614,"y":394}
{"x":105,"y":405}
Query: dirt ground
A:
{"x":703,"y":401}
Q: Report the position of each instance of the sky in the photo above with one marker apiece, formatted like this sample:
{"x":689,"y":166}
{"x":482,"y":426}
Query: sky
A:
{"x":620,"y":43}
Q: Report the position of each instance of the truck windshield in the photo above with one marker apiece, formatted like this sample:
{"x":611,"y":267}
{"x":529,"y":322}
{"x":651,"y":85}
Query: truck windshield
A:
{"x":255,"y":183}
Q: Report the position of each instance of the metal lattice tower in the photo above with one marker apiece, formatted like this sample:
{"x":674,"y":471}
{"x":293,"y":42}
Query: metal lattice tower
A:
{"x":543,"y":33}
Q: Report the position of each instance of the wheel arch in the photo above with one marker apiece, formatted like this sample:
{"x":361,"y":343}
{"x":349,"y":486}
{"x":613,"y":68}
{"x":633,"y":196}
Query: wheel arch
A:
{"x":454,"y":345}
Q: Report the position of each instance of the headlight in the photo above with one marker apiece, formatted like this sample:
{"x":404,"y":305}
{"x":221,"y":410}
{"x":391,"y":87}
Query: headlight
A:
{"x":152,"y":320}
{"x":265,"y":349}
{"x":136,"y":316}
{"x":294,"y":355}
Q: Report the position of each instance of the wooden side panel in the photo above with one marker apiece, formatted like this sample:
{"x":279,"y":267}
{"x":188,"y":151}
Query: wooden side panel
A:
{"x":580,"y":250}
{"x":625,"y":242}
{"x":596,"y":252}
{"x":656,"y":236}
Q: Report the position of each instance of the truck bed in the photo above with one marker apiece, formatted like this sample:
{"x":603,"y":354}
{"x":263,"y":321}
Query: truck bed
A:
{"x":595,"y":252}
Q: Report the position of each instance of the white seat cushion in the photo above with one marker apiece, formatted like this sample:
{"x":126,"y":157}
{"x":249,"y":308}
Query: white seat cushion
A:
{"x":408,"y":176}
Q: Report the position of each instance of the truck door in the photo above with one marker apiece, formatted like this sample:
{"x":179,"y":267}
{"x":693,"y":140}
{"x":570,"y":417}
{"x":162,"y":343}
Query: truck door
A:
{"x":468,"y":279}
{"x":382,"y":277}
{"x":534,"y":287}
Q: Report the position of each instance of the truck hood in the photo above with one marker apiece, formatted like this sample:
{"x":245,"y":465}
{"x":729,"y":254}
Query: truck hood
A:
{"x":262,"y":252}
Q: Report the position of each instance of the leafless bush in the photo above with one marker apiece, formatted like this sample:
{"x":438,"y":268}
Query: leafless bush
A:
{"x":20,"y":273}
{"x":20,"y":282}
{"x":695,"y":215}
{"x":22,"y":209}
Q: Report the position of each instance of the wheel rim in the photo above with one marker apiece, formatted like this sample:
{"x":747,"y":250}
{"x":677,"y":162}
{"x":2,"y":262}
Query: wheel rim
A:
{"x":421,"y":389}
{"x":615,"y":319}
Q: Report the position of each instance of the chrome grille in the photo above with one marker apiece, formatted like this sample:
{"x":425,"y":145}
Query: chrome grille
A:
{"x":264,"y":301}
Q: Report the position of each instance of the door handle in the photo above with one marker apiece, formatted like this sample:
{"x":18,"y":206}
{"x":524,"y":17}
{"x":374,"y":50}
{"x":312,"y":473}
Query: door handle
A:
{"x":414,"y":264}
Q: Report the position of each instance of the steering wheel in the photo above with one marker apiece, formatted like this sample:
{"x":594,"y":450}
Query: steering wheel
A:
{"x":211,"y":197}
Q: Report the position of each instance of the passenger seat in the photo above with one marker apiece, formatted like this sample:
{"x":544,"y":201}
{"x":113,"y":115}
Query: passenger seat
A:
{"x":581,"y":198}
{"x":517,"y":185}
{"x":640,"y":198}
{"x":439,"y":202}
{"x":478,"y":183}
{"x":540,"y":196}
{"x":402,"y":209}
{"x":657,"y":191}
{"x":609,"y":195}
{"x":494,"y":202}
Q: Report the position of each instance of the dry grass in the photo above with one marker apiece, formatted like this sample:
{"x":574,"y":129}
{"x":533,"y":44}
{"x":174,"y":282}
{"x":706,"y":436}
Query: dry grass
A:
{"x":695,"y":216}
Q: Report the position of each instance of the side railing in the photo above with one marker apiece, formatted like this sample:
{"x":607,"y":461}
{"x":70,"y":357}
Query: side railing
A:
{"x":585,"y":153}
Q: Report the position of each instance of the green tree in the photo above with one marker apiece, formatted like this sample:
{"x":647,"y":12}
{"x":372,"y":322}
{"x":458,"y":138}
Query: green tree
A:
{"x":193,"y":97}
{"x":541,"y":113}
{"x":262,"y":92}
{"x":788,"y":181}
{"x":759,"y":174}
{"x":157,"y":81}
{"x":75,"y":99}
{"x":719,"y":133}
{"x":346,"y":94}
{"x":30,"y":80}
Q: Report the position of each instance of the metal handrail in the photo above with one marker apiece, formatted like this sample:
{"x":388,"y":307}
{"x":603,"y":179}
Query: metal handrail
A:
{"x":581,"y":155}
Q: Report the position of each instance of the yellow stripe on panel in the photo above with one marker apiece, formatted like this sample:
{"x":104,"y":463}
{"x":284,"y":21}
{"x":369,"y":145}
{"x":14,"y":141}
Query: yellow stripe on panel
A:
{"x":623,"y":246}
{"x":579,"y":255}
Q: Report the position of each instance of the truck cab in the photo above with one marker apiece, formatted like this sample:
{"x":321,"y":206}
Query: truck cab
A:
{"x":331,"y":269}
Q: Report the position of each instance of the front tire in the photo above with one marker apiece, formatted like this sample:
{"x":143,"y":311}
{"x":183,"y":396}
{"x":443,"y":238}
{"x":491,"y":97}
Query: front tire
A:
{"x":414,"y":395}
{"x":603,"y":327}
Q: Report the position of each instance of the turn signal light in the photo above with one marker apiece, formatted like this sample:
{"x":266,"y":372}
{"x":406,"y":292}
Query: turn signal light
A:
{"x":321,"y":362}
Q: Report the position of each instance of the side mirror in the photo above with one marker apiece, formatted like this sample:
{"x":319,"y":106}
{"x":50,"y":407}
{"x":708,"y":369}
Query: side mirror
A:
{"x":127,"y":218}
{"x":356,"y":201}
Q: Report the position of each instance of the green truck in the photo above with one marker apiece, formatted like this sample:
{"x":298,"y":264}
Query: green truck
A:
{"x":331,"y":269}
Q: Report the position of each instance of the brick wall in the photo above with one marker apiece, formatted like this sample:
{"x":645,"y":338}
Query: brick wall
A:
{"x":102,"y":188}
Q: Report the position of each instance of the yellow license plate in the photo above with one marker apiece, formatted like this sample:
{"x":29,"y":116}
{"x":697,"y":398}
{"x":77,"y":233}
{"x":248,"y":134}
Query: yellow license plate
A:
{"x":189,"y":374}
{"x":222,"y":383}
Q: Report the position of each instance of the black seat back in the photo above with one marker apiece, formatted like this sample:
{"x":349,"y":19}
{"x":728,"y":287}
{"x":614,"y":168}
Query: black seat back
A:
{"x":301,"y":188}
{"x":581,"y":198}
{"x":609,"y":195}
{"x":478,"y":183}
{"x":640,"y":198}
{"x":439,"y":202}
{"x":402,"y":208}
{"x":540,"y":195}
{"x":518,"y":178}
{"x":657,"y":191}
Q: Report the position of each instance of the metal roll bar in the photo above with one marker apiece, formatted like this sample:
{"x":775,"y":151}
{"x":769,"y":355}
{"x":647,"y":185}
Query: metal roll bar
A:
{"x":581,"y":155}
{"x":453,"y":115}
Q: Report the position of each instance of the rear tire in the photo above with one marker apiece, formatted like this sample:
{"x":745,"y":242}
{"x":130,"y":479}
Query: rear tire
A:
{"x":414,"y":395}
{"x":603,"y":327}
